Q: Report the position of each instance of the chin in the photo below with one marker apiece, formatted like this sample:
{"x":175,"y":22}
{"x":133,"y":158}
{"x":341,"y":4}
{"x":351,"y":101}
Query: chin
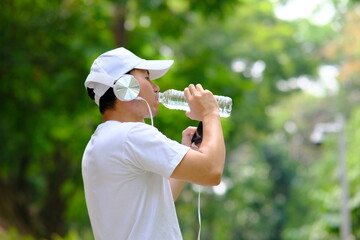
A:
{"x":155,"y":112}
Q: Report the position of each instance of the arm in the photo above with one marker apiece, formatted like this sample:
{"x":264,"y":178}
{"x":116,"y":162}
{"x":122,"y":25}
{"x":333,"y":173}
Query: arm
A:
{"x":205,"y":166}
{"x":177,"y":184}
{"x":176,"y":187}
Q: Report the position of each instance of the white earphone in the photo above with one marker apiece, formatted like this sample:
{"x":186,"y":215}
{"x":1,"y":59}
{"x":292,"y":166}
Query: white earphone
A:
{"x":127,"y":88}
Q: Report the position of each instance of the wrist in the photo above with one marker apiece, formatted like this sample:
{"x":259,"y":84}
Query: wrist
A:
{"x":214,"y":114}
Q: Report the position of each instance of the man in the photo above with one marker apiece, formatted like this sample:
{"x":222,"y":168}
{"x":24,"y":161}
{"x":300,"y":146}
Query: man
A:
{"x":133,"y":173}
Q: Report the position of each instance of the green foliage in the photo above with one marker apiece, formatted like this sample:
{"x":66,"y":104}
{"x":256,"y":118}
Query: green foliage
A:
{"x":46,"y":50}
{"x":353,"y":166}
{"x":13,"y":234}
{"x":316,"y":188}
{"x":45,"y":120}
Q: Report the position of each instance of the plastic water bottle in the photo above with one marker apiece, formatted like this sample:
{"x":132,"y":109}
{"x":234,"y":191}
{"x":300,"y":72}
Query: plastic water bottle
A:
{"x":174,"y":99}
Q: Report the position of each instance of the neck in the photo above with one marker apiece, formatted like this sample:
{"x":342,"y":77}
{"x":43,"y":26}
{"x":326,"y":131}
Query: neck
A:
{"x":124,"y":112}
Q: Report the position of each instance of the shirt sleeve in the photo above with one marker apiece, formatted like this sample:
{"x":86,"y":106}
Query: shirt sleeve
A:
{"x":150,"y":150}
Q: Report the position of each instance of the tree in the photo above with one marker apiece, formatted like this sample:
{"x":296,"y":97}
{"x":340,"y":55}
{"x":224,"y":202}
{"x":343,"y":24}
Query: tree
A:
{"x":233,"y":48}
{"x":44,"y":120}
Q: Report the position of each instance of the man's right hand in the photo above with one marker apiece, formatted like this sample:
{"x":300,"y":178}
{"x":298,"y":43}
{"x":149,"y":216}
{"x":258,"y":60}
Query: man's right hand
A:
{"x":205,"y":165}
{"x":201,"y":102}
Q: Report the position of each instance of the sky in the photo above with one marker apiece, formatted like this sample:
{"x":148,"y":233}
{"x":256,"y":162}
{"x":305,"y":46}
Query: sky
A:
{"x":318,"y":11}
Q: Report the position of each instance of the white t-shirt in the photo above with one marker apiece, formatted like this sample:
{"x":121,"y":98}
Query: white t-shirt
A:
{"x":125,"y":169}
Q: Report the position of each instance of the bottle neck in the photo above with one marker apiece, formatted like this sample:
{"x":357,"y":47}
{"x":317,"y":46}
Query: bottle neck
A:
{"x":161,"y":97}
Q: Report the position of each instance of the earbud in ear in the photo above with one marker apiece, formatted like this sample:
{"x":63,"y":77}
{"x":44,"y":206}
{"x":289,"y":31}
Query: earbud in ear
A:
{"x":126,"y":88}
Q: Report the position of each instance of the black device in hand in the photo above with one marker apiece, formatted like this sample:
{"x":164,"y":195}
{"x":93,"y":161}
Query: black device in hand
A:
{"x":197,"y":138}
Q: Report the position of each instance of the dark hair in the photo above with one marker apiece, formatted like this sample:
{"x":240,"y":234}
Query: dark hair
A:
{"x":107,"y":101}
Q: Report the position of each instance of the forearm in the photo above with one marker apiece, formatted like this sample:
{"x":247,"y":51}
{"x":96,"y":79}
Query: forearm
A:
{"x":205,"y":165}
{"x":213,"y":145}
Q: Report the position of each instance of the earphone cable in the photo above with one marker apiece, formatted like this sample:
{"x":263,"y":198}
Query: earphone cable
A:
{"x":199,"y":213}
{"x":147,"y":104}
{"x":199,"y":187}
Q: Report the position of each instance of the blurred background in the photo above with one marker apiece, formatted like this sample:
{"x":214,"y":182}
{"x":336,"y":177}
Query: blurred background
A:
{"x":291,"y":67}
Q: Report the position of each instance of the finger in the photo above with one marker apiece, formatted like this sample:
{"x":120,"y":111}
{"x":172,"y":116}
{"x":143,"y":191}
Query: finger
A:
{"x":187,"y":135}
{"x":189,"y":131}
{"x":199,"y":87}
{"x":187,"y":93}
{"x":208,"y":91}
{"x":192,"y":89}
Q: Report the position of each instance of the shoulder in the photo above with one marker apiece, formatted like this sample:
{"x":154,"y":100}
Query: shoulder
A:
{"x":115,"y":127}
{"x":129,"y":130}
{"x":142,"y":129}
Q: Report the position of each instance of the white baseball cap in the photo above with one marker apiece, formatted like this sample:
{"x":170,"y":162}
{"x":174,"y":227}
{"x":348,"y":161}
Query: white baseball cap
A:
{"x":112,"y":65}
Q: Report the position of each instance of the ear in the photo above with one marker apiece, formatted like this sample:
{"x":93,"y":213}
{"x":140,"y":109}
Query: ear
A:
{"x":126,"y":88}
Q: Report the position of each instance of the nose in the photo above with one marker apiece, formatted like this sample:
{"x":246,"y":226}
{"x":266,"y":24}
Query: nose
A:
{"x":156,"y":87}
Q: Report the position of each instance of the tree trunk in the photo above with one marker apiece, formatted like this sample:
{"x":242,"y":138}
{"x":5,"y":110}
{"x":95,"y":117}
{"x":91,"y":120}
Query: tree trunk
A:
{"x":15,"y":211}
{"x":55,"y":204}
{"x":118,"y":28}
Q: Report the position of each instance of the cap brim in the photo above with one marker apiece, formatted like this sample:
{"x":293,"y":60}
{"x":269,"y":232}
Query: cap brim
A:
{"x":157,"y":68}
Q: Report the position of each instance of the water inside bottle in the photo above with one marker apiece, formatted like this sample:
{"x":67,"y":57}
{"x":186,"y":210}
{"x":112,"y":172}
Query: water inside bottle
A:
{"x":176,"y":100}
